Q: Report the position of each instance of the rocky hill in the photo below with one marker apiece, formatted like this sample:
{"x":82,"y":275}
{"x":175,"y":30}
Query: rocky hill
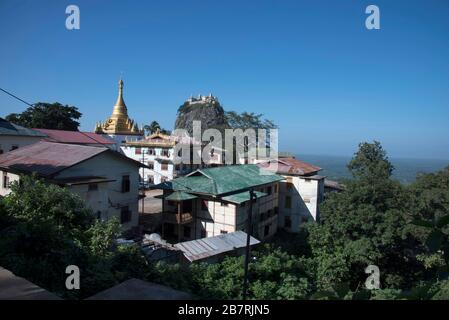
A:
{"x":205,"y":109}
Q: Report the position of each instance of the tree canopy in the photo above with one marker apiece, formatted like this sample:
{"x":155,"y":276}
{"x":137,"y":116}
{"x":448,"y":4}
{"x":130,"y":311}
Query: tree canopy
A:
{"x":153,"y":127}
{"x":44,"y":115}
{"x":44,"y":228}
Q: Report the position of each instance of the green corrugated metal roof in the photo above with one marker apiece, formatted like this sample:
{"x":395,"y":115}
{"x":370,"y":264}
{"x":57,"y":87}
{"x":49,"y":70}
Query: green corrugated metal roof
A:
{"x":243,"y":196}
{"x":180,"y":196}
{"x":221,"y":180}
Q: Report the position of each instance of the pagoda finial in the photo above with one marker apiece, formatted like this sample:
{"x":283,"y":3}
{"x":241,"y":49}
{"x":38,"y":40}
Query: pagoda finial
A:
{"x":120,"y":106}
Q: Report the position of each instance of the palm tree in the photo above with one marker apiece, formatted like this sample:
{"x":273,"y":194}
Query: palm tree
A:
{"x":152,"y":128}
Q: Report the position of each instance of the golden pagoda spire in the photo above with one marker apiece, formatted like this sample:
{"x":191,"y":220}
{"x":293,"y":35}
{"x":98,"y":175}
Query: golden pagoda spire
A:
{"x":120,"y":110}
{"x":119,"y":123}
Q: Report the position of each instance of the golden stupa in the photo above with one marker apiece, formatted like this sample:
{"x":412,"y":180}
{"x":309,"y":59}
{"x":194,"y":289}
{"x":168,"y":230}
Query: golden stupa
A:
{"x":119,"y":123}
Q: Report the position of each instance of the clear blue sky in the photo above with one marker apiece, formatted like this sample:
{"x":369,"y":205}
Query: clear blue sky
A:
{"x":311,"y":66}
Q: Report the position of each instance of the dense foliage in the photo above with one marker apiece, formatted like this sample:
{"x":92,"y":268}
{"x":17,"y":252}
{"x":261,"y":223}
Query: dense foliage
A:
{"x":48,"y":116}
{"x":44,"y":228}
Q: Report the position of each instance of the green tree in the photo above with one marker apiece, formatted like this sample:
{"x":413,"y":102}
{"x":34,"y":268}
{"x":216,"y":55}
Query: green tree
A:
{"x":247,"y":120}
{"x":48,"y":116}
{"x":153,"y":127}
{"x":365,"y":224}
{"x":370,"y":161}
{"x":44,"y":228}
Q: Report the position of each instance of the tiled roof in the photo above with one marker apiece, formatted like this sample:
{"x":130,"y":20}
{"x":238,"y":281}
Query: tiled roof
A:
{"x":47,"y":158}
{"x":10,"y":129}
{"x":221,"y":180}
{"x":76,"y":137}
{"x":291,"y":166}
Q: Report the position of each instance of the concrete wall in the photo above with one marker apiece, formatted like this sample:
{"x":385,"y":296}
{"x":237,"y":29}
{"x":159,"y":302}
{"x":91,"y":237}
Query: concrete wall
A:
{"x":11,"y":177}
{"x":157,"y":174}
{"x":305,"y":194}
{"x":108,"y":199}
{"x":7,"y":142}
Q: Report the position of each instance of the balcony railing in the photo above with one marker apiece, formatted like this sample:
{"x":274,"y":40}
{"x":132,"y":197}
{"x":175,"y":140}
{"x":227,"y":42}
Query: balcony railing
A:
{"x":175,"y":218}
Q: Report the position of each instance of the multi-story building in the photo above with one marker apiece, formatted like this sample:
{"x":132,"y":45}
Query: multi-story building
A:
{"x":119,"y":126}
{"x":299,"y":194}
{"x":163,"y":155}
{"x":213,"y":201}
{"x":157,"y":151}
{"x":105,"y":179}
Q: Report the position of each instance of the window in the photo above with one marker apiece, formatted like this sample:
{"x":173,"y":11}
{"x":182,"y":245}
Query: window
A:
{"x":223,"y":232}
{"x":165,"y":153}
{"x":164,"y":166}
{"x":308,"y":180}
{"x":186,"y":232}
{"x":223,"y":204}
{"x":275,"y":188}
{"x":151,"y":165}
{"x":266,"y":230}
{"x":151,"y":152}
{"x":288,"y":202}
{"x":126,"y":184}
{"x":5,"y":180}
{"x":92,"y":187}
{"x":125,"y":215}
{"x":150,"y":179}
{"x":276,"y":210}
{"x":287,"y":222}
{"x":14,"y":147}
{"x":138,"y":150}
{"x":204,"y":205}
{"x":269,"y":190}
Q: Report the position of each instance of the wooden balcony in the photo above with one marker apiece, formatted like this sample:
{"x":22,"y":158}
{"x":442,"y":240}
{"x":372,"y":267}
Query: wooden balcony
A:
{"x":171,"y":217}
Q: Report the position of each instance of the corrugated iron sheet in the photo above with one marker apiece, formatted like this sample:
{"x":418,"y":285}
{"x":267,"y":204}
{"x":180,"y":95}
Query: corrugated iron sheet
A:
{"x":77,"y":137}
{"x":47,"y":158}
{"x":211,"y":246}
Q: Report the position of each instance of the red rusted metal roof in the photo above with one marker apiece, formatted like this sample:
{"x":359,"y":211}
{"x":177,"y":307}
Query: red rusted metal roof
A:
{"x":76,"y":137}
{"x":292,"y":166}
{"x":47,"y":158}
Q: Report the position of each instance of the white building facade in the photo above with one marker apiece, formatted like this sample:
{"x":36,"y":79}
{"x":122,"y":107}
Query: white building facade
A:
{"x":300,"y":193}
{"x":106,"y":180}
